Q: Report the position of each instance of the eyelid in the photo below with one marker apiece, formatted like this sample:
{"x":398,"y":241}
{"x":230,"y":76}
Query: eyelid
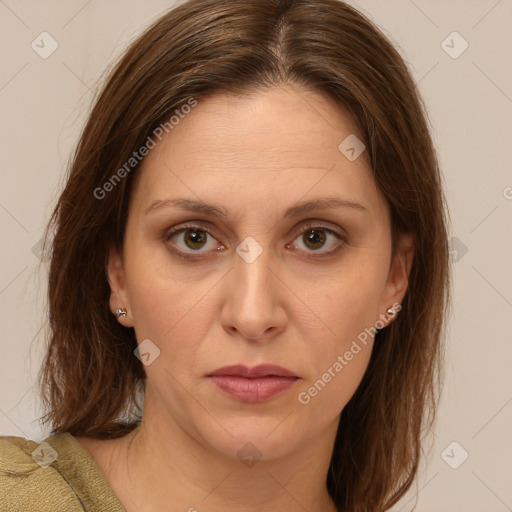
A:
{"x":318,"y":224}
{"x":313,"y":223}
{"x":300,"y":229}
{"x":205,"y":226}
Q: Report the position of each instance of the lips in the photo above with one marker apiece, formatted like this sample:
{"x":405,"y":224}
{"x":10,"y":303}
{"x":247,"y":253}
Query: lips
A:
{"x":253,"y":385}
{"x":262,"y":370}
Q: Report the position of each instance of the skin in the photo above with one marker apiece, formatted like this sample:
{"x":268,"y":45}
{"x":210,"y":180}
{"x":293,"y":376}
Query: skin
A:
{"x":254,"y":155}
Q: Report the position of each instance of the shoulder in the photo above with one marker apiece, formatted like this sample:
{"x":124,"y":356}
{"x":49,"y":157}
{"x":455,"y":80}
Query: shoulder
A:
{"x":29,"y":479}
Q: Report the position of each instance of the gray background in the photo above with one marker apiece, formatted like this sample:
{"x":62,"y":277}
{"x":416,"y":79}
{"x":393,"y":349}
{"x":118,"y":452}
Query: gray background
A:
{"x":44,"y":103}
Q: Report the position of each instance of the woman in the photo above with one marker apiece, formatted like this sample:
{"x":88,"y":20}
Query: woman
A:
{"x":251,"y":248}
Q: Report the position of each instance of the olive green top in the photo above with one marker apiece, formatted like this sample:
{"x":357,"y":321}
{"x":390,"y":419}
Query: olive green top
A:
{"x":56,"y":475}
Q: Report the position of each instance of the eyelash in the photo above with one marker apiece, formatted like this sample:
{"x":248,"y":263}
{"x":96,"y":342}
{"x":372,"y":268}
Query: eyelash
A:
{"x":203,"y":227}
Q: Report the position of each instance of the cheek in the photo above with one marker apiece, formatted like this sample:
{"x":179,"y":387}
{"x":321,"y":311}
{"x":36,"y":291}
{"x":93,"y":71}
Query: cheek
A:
{"x":327,"y":394}
{"x":171,"y":308}
{"x":168,"y":311}
{"x":340,"y":348}
{"x":350,"y":303}
{"x":339,"y":352}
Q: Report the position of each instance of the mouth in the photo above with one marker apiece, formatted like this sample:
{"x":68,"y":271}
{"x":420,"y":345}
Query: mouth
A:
{"x":262,"y":370}
{"x":253,"y":385}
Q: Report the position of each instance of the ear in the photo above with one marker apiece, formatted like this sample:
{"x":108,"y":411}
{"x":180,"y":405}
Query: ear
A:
{"x":398,"y":278}
{"x":118,"y":292}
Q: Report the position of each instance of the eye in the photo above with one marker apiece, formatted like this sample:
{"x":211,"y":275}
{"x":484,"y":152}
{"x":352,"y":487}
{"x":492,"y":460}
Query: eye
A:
{"x":315,"y":238}
{"x":195,"y":238}
{"x":192,"y":238}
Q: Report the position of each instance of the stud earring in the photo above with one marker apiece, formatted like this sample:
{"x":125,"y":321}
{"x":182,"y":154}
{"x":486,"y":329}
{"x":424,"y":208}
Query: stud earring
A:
{"x":120,"y":312}
{"x":392,"y":311}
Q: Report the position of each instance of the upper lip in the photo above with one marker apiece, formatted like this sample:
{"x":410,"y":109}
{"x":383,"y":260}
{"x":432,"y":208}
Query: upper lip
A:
{"x":262,"y":370}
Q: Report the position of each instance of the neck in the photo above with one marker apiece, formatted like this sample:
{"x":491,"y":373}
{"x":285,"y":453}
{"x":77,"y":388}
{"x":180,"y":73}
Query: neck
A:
{"x":160,"y":466}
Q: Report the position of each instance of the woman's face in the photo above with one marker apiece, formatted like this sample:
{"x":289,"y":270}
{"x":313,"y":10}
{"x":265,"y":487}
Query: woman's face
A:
{"x":253,"y":238}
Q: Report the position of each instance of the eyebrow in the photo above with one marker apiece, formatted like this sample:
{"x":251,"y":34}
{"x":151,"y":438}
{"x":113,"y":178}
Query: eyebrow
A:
{"x":221,"y":213}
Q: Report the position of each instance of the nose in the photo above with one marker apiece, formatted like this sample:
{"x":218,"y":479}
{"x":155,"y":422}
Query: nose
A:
{"x":253,"y":306}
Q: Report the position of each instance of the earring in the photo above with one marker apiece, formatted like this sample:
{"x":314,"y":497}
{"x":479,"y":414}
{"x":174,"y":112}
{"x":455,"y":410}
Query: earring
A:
{"x":120,"y":312}
{"x":392,"y":311}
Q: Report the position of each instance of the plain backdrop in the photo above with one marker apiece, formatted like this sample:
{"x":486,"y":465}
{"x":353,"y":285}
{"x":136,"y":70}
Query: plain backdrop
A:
{"x":459,"y":52}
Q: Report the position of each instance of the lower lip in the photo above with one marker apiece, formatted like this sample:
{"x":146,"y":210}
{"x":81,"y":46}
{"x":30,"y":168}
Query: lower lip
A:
{"x":253,"y":390}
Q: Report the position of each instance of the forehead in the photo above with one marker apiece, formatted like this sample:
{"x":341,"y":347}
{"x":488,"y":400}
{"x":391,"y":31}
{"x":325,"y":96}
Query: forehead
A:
{"x":277,"y":144}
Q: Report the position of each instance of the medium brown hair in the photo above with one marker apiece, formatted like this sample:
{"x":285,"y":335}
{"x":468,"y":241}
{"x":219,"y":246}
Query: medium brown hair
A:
{"x":90,"y":376}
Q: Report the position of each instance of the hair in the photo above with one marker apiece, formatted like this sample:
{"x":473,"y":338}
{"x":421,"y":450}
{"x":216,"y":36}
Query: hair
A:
{"x":89,"y":377}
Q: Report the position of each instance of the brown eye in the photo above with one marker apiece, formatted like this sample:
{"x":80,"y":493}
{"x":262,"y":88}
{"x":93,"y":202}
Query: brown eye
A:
{"x":314,"y":238}
{"x":195,"y":238}
{"x":319,"y":239}
{"x":192,"y":239}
